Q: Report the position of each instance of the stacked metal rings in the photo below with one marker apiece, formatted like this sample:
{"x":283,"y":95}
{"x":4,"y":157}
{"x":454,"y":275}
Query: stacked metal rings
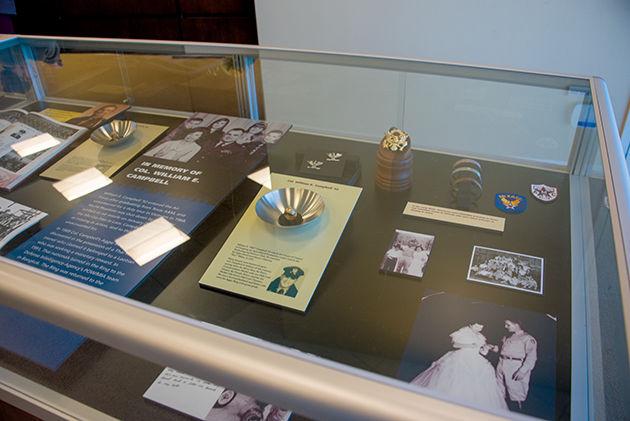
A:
{"x":466,"y":181}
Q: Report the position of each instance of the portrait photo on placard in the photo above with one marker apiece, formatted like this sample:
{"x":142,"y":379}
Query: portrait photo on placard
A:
{"x":408,"y":254}
{"x":494,"y":357}
{"x":287,"y":282}
{"x":507,"y":269}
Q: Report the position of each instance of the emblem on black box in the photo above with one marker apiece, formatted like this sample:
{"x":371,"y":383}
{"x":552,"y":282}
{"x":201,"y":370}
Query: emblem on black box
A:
{"x":315,"y":165}
{"x":333,"y":156}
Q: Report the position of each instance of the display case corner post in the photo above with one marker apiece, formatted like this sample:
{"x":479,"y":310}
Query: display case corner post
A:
{"x":246,"y":92}
{"x":252,"y":92}
{"x":618,"y":189}
{"x":33,"y":73}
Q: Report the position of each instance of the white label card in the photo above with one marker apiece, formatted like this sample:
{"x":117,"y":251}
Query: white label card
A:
{"x":454,"y":216}
{"x":184,"y":393}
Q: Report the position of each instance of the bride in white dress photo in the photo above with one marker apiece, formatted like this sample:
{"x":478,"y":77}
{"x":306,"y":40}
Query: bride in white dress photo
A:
{"x":464,"y":373}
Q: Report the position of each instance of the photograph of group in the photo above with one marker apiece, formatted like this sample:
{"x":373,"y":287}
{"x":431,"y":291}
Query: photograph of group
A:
{"x":506,"y":269}
{"x":217,"y":138}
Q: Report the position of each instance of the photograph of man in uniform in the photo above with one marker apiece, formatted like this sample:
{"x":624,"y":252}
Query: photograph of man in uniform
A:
{"x":181,"y":150}
{"x":285,"y":283}
{"x":517,"y":359}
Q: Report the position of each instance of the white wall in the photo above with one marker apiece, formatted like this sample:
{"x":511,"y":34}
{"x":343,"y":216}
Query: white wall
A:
{"x":584,"y":37}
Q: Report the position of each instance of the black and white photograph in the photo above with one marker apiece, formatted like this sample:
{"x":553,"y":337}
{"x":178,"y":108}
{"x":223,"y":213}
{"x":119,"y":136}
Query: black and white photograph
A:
{"x":408,"y":254}
{"x":179,"y":149}
{"x":13,"y":162}
{"x":15,"y":218}
{"x":224,"y":140}
{"x":7,"y":117}
{"x":98,"y":115}
{"x":506,"y":269}
{"x":43,"y":124}
{"x":234,"y":406}
{"x":494,"y":357}
{"x":13,"y":168}
{"x":206,"y":401}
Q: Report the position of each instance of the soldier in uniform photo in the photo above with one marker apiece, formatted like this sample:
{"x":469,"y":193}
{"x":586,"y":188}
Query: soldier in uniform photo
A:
{"x":285,"y":283}
{"x":517,"y":359}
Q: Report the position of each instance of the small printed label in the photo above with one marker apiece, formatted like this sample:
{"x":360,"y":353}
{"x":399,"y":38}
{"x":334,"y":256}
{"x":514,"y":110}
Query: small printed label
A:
{"x":455,"y":216}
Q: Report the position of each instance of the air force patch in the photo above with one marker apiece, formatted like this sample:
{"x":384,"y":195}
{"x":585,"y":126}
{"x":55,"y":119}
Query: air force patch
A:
{"x":544,"y":193}
{"x":510,"y":202}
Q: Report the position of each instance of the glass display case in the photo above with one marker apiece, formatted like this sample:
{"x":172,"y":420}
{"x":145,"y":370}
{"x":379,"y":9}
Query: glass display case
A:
{"x":316,"y":235}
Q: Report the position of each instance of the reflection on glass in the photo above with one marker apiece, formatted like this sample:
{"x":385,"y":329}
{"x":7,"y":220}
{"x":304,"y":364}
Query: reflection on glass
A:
{"x":82,"y":183}
{"x":151,"y":240}
{"x":262,"y":177}
{"x":35,"y":144}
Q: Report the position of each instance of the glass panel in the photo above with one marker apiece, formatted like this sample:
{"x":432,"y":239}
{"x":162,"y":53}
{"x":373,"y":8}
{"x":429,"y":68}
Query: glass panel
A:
{"x":486,"y":283}
{"x":16,"y":82}
{"x":171,"y":82}
{"x":522,"y":122}
{"x":114,"y":383}
{"x":608,"y":345}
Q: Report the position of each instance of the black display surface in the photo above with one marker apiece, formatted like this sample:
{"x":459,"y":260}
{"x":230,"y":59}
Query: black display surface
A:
{"x":358,"y":315}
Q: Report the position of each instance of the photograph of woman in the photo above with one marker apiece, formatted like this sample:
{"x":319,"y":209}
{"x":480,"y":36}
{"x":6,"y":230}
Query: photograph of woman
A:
{"x":464,"y":373}
{"x":215,"y":131}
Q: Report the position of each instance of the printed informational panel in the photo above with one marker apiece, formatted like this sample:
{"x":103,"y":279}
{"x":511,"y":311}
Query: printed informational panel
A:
{"x":81,"y":246}
{"x":282,"y":265}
